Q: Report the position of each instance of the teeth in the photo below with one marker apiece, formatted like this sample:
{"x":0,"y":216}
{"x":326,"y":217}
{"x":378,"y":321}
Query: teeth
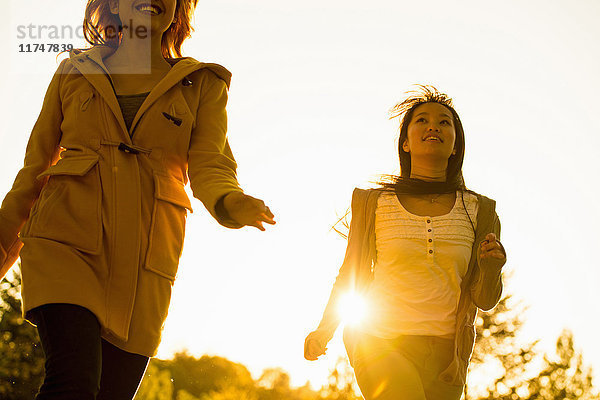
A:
{"x":150,"y":8}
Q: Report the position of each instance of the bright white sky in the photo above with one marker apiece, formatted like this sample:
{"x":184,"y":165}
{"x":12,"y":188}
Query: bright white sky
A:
{"x":312,"y":83}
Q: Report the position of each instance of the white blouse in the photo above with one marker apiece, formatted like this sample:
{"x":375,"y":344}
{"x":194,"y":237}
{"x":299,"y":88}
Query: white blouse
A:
{"x":421,"y":262}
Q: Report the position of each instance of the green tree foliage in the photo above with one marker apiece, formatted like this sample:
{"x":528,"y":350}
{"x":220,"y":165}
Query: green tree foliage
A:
{"x":216,"y":378}
{"x":231,"y":393}
{"x":563,"y":375}
{"x":199,"y":376}
{"x":341,"y":382}
{"x":518,"y":371}
{"x":21,"y":355}
{"x":274,"y":383}
{"x":183,"y":395}
{"x":156,"y":385}
{"x":185,"y":377}
{"x":502,"y":367}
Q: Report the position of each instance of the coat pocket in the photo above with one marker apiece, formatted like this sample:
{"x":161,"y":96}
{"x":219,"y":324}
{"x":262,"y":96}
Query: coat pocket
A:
{"x":84,"y":99}
{"x":167,"y":229}
{"x":69,"y":206}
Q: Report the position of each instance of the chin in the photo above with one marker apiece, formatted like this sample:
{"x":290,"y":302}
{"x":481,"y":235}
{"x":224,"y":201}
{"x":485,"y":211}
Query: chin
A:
{"x":437,"y":153}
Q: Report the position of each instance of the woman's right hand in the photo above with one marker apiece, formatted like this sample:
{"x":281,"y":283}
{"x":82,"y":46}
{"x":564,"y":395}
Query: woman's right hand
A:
{"x":247,"y":210}
{"x":314,"y":345}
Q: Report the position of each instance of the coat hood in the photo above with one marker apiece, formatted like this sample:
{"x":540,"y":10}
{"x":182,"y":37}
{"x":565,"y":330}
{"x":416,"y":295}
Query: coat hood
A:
{"x":89,"y":62}
{"x":181,"y":66}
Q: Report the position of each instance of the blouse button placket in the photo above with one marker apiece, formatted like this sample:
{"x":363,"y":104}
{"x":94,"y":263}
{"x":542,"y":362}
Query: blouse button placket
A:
{"x":429,"y":236}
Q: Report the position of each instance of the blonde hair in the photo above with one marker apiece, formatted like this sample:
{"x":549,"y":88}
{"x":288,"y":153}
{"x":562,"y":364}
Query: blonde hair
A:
{"x":99,"y":23}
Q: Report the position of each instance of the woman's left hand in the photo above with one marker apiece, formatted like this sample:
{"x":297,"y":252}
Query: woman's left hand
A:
{"x":491,"y":253}
{"x":247,"y":210}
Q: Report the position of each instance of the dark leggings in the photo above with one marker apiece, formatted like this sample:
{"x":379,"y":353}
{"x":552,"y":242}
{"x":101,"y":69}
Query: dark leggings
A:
{"x":80,"y":365}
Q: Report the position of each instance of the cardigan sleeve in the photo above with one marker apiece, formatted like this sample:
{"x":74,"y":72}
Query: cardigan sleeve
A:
{"x":346,"y":280}
{"x":41,"y":152}
{"x":211,"y":165}
{"x":487,"y":288}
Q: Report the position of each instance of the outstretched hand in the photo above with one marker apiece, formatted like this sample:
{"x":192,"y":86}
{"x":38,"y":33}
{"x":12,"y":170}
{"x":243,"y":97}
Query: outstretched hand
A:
{"x":247,"y":210}
{"x":491,"y":253}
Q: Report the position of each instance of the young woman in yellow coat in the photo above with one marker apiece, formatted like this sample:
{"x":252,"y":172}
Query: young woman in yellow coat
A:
{"x":424,"y":253}
{"x":97,"y":214}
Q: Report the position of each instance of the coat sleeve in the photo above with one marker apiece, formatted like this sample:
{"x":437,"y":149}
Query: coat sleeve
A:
{"x":211,"y":165}
{"x":41,"y":152}
{"x":487,"y":289}
{"x":346,"y":279}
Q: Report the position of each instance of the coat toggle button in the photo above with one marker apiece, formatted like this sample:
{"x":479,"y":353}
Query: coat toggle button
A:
{"x":175,"y":120}
{"x":127,"y":149}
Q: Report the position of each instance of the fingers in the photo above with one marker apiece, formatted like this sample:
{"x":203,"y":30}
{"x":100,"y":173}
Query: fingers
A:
{"x":259,"y":206}
{"x":248,"y":210}
{"x":316,"y":349}
{"x":490,"y":243}
{"x":492,"y":249}
{"x":268,"y":213}
{"x":267,"y":217}
{"x":260,"y":219}
{"x":493,"y":254}
{"x":489,"y":238}
{"x":314,"y":346}
{"x":313,"y":349}
{"x":262,"y":214}
{"x":257,"y":224}
{"x":312,"y":352}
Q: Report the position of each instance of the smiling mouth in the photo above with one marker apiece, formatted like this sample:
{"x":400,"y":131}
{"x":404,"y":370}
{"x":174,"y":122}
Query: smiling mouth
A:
{"x":432,"y":138}
{"x":149,"y":9}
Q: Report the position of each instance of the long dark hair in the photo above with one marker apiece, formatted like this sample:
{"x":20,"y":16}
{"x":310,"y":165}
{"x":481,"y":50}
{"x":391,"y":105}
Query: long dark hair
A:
{"x":454,"y":177}
{"x":404,"y":110}
{"x":403,"y":183}
{"x":100,"y":26}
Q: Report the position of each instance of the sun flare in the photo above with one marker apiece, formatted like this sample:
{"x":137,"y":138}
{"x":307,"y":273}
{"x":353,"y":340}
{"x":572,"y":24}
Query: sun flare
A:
{"x":352,"y":309}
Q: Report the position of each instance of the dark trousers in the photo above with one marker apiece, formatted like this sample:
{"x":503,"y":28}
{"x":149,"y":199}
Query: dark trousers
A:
{"x":80,"y":365}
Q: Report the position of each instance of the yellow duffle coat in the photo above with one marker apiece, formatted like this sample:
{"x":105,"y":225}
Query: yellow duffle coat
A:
{"x":98,"y":216}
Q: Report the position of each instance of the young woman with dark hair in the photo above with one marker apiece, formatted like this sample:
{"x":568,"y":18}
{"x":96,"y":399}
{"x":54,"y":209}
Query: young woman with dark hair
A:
{"x":424,"y":253}
{"x":97,"y":213}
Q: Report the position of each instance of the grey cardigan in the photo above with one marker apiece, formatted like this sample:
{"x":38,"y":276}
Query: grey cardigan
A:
{"x":479,"y":288}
